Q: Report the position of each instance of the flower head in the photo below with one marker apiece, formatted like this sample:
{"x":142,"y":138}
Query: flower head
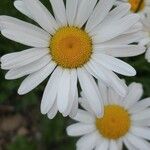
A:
{"x":125,"y":121}
{"x":78,"y":43}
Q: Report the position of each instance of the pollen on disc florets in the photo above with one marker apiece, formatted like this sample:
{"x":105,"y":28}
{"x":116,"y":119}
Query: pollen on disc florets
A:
{"x":137,"y":5}
{"x":115,"y":123}
{"x":71,"y":47}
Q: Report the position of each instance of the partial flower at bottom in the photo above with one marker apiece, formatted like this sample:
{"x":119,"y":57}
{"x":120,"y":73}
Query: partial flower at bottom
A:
{"x":125,"y":121}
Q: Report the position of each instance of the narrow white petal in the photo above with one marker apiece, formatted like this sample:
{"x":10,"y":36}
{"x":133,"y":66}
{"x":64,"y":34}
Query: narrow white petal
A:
{"x":64,"y":91}
{"x":113,"y":145}
{"x":33,"y":80}
{"x":100,"y":12}
{"x":110,"y":78}
{"x":41,"y":15}
{"x":141,"y":115}
{"x":12,"y":23}
{"x":53,"y":111}
{"x":116,"y":28}
{"x":140,"y":106}
{"x":115,"y":64}
{"x":79,"y":129}
{"x":74,"y":108}
{"x":129,"y":145}
{"x":104,"y":145}
{"x":103,"y":90}
{"x":143,"y":132}
{"x":112,"y":16}
{"x":24,"y":38}
{"x":73,"y":96}
{"x":138,"y":142}
{"x":20,"y":6}
{"x":132,"y":96}
{"x":59,"y":11}
{"x":19,"y":59}
{"x":50,"y":92}
{"x":28,"y":69}
{"x":84,"y":103}
{"x":71,"y":10}
{"x":91,"y":91}
{"x":87,"y":142}
{"x":84,"y":117}
{"x":125,"y":39}
{"x":85,"y":9}
{"x":120,"y":50}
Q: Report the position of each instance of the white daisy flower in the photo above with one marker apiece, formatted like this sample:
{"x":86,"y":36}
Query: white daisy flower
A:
{"x":141,"y":7}
{"x":78,"y":43}
{"x":125,"y":121}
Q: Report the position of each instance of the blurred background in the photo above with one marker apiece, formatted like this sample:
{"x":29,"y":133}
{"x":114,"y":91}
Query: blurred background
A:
{"x":22,"y":127}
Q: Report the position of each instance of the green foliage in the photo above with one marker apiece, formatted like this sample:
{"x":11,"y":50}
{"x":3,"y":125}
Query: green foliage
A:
{"x":21,"y":143}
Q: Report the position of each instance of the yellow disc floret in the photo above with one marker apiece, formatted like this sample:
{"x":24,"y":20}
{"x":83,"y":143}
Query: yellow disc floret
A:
{"x":137,"y":5}
{"x":71,"y":47}
{"x":115,"y":122}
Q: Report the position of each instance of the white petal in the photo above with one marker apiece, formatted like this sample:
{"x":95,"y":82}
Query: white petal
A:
{"x":74,"y":108}
{"x":120,"y":50}
{"x":141,"y":115}
{"x":129,"y":145}
{"x":113,"y":145}
{"x":104,"y":145}
{"x":125,"y":39}
{"x":33,"y":80}
{"x":137,"y":142}
{"x":73,"y":93}
{"x":104,"y":91}
{"x":112,"y":16}
{"x":63,"y":91}
{"x":140,"y":106}
{"x":84,"y":103}
{"x":12,"y":23}
{"x":87,"y":142}
{"x":110,"y":78}
{"x":24,"y":38}
{"x":19,"y":59}
{"x":99,"y":13}
{"x":28,"y":69}
{"x":91,"y":91}
{"x":59,"y":11}
{"x":71,"y":10}
{"x":20,"y":6}
{"x":116,"y":28}
{"x":115,"y":64}
{"x":85,"y":9}
{"x":84,"y":117}
{"x":53,"y":111}
{"x":79,"y":129}
{"x":41,"y":15}
{"x":132,"y":96}
{"x":143,"y":132}
{"x":50,"y":92}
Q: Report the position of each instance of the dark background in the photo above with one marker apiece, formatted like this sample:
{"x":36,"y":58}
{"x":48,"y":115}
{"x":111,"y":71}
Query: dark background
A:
{"x":22,"y":127}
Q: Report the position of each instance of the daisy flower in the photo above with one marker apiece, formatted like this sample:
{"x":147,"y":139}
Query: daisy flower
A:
{"x":125,"y":121}
{"x":79,"y":42}
{"x":138,"y":6}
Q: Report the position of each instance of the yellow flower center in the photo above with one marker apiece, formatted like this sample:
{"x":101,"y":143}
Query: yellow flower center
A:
{"x":71,"y":47}
{"x":115,"y":122}
{"x":137,"y":5}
